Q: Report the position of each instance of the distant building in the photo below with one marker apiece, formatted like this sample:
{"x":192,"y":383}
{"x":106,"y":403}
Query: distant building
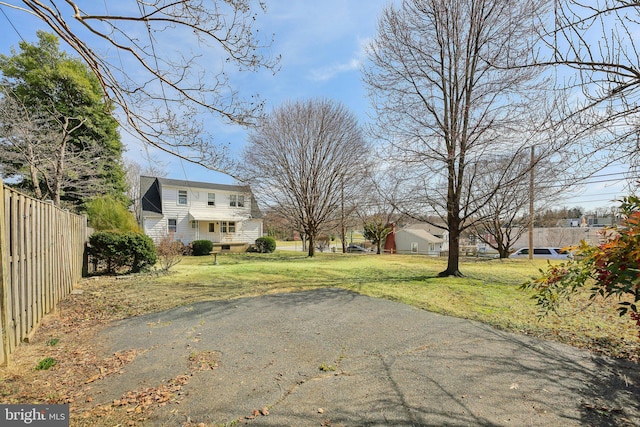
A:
{"x":417,"y":239}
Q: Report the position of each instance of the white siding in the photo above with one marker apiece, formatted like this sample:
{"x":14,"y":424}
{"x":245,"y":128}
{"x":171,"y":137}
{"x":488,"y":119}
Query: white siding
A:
{"x":247,"y":229}
{"x":251,"y":230}
{"x":156,"y":228}
{"x":406,"y":241}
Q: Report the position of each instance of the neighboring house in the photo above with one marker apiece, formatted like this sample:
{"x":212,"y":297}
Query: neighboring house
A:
{"x":228,"y":215}
{"x":417,"y":239}
{"x":560,"y":237}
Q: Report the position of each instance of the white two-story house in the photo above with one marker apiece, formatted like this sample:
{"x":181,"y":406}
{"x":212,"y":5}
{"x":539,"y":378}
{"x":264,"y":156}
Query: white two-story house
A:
{"x":228,"y":215}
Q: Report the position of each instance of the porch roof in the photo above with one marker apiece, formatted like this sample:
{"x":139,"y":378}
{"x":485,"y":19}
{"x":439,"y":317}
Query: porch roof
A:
{"x":209,"y":215}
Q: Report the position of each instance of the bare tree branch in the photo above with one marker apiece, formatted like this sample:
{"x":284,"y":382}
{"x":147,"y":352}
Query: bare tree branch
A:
{"x":597,"y":41}
{"x":164,"y":65}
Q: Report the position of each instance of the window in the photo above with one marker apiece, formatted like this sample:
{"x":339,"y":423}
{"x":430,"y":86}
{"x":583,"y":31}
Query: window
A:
{"x":182,"y":197}
{"x":194,"y":225}
{"x":541,"y":251}
{"x":172,"y":225}
{"x":211,"y":199}
{"x":212,"y":227}
{"x":228,"y":227}
{"x":236,"y":200}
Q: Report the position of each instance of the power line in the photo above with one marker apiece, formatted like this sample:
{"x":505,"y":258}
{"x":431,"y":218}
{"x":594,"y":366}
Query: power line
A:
{"x":11,"y":23}
{"x":592,"y":182}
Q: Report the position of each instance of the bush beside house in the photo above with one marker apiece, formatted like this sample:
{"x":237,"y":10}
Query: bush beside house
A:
{"x":113,"y":251}
{"x":201,"y":247}
{"x":265,"y":245}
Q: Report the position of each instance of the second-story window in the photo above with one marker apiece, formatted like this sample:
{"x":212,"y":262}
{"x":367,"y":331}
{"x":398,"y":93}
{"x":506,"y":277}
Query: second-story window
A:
{"x":182,"y":197}
{"x":236,"y":200}
{"x":211,"y":199}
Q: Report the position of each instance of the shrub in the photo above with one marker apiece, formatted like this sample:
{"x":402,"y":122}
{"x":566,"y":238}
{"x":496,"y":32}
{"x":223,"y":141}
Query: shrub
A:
{"x":265,"y":245}
{"x":142,"y":251}
{"x":108,"y":213}
{"x":201,"y":247}
{"x":610,"y":269}
{"x":169,"y":252}
{"x":117,"y":250}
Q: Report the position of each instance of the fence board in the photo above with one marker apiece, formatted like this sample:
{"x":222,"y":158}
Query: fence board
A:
{"x":42,"y":249}
{"x":4,"y":278}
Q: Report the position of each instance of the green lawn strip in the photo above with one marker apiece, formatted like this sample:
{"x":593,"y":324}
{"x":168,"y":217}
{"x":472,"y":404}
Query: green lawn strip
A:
{"x":488,"y":293}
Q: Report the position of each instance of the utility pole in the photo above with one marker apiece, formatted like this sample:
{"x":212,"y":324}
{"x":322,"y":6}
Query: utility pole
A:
{"x":343,"y":230}
{"x":531,"y":166}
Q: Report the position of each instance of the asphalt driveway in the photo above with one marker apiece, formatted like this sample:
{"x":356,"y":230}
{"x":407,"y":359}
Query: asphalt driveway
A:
{"x":335,"y":358}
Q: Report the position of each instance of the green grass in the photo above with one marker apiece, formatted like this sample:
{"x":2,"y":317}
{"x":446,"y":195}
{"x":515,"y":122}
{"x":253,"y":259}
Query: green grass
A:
{"x":46,"y":363}
{"x":489,"y":292}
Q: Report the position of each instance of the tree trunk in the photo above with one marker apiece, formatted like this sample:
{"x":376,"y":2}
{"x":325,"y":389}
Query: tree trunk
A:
{"x":58,"y":174}
{"x":311,"y":241}
{"x":453,"y":261}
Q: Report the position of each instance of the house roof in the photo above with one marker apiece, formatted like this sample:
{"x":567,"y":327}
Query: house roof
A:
{"x":151,"y":194}
{"x":422,"y":234}
{"x":428,"y":228}
{"x":203,"y":185}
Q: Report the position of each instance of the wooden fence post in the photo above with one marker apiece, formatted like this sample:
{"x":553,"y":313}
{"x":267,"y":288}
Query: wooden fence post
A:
{"x":4,"y":339}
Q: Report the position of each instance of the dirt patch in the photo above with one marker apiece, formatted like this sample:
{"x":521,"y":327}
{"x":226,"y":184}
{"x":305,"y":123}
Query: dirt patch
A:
{"x":68,"y":339}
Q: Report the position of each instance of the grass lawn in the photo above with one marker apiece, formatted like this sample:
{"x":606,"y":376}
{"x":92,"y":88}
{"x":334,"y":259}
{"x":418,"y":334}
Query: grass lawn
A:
{"x":489,"y":292}
{"x":64,"y":358}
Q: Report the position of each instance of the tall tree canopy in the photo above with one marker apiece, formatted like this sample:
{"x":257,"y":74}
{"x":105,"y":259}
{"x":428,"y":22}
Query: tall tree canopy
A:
{"x":166,"y":65}
{"x":305,"y":159}
{"x":57,"y":134}
{"x":445,"y":102}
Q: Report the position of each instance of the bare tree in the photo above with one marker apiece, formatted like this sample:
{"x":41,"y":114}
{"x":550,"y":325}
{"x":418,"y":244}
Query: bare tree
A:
{"x":297,"y":159}
{"x":443,"y":103}
{"x":41,"y":144}
{"x":164,"y":64}
{"x":20,"y":133}
{"x":504,"y":218}
{"x":377,"y":205}
{"x":598,"y":42}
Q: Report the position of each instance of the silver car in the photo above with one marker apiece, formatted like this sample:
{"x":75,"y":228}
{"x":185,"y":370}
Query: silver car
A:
{"x":544,"y":253}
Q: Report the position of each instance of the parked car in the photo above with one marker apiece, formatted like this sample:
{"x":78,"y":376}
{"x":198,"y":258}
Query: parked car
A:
{"x":545,"y":253}
{"x":356,"y":248}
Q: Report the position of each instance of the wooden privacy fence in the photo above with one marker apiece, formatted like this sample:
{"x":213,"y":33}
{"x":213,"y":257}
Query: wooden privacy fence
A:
{"x":42,"y":251}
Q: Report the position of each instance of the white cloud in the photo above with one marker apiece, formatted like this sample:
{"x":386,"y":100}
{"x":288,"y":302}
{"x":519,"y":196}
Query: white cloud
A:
{"x":328,"y":72}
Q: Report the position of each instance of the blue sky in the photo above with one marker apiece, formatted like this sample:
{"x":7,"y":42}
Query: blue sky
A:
{"x":322,"y":47}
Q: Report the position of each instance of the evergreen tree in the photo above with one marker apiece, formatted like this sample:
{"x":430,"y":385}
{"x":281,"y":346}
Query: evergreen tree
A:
{"x":73,"y":152}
